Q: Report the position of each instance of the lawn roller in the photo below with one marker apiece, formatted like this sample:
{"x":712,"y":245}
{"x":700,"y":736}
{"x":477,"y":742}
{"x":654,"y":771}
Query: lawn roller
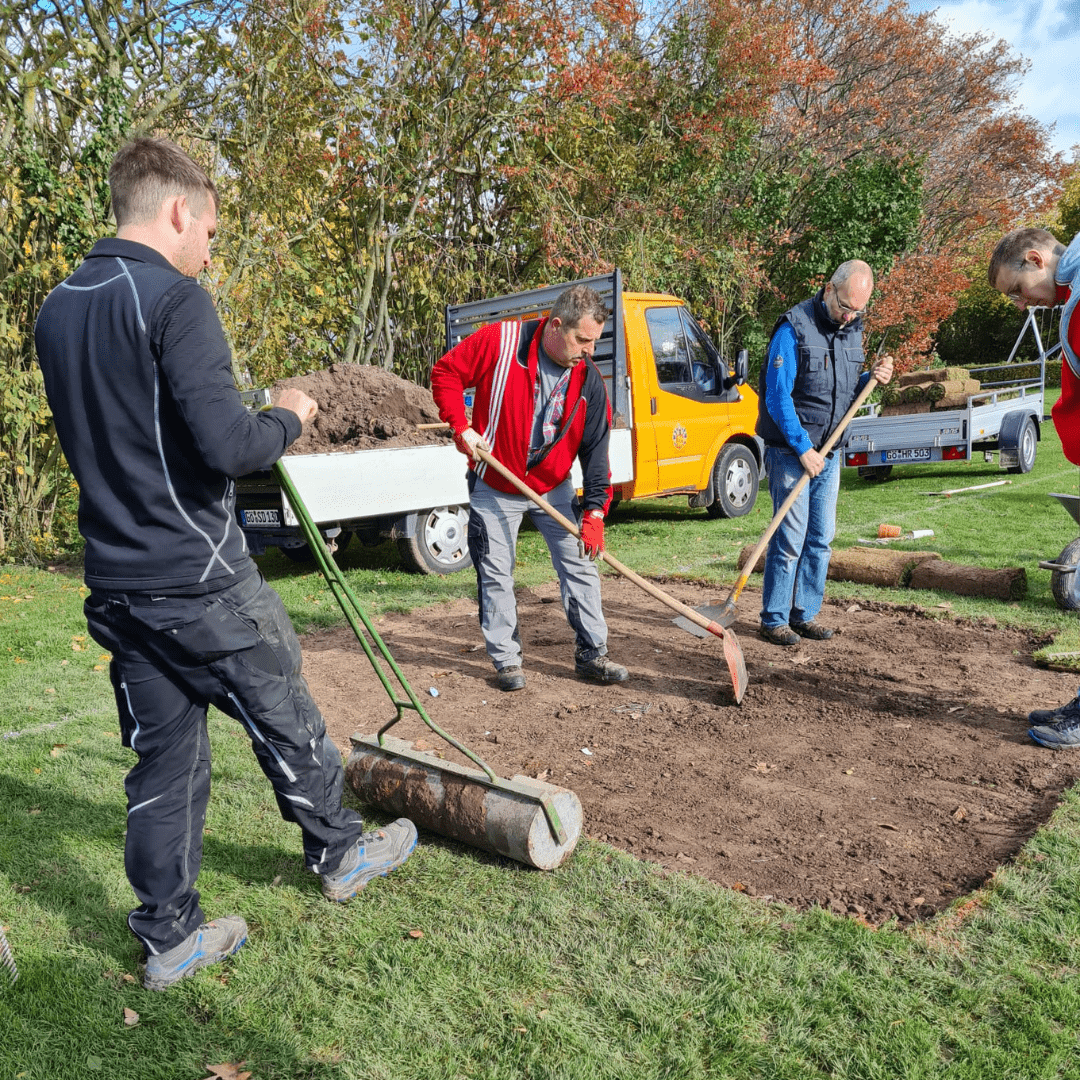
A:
{"x":527,"y":820}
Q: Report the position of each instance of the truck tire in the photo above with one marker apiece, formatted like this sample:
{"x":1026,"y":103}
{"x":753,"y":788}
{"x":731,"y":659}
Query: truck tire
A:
{"x":439,"y":543}
{"x":735,"y":481}
{"x":1026,"y":445}
{"x":1065,"y":584}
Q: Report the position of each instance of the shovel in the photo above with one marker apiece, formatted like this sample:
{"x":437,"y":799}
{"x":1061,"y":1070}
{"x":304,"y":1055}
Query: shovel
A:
{"x":732,"y":652}
{"x":724,"y":614}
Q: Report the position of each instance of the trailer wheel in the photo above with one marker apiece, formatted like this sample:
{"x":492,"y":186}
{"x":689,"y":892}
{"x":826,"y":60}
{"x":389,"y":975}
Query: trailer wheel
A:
{"x":439,"y":543}
{"x":1065,"y":584}
{"x":1027,"y":446}
{"x":735,"y":480}
{"x":875,"y":472}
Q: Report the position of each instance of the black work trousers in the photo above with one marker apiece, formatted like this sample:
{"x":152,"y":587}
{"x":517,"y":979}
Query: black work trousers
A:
{"x":171,"y":658}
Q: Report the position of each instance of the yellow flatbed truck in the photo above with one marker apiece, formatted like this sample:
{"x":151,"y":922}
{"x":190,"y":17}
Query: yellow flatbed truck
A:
{"x":682,"y":424}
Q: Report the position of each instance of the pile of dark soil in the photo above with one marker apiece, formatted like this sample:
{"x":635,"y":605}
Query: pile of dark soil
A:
{"x":361,"y":407}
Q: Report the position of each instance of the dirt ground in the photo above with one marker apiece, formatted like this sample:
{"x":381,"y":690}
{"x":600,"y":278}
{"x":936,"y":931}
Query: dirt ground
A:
{"x":361,"y":407}
{"x":881,"y":774}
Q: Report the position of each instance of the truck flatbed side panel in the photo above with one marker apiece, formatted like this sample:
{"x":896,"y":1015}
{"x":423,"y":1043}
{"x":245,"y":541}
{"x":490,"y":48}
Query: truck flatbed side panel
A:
{"x":378,"y":483}
{"x":403,"y":479}
{"x":620,"y":456}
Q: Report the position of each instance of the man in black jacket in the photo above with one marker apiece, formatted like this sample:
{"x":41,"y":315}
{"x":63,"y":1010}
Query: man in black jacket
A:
{"x":139,"y":380}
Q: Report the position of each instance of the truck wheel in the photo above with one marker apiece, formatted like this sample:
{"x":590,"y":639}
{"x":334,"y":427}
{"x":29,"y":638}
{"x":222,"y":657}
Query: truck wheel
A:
{"x":1027,"y":446}
{"x":439,"y":543}
{"x":1064,"y":584}
{"x":875,"y":472}
{"x":735,"y":480}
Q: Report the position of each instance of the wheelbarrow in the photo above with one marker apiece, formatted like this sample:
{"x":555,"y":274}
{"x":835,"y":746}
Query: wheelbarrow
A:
{"x":1064,"y":579}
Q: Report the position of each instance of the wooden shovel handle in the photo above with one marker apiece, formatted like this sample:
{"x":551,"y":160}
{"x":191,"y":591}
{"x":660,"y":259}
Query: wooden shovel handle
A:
{"x":675,"y":605}
{"x":763,"y":543}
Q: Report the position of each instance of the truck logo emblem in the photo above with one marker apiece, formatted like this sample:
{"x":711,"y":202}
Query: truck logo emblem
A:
{"x":679,"y":436}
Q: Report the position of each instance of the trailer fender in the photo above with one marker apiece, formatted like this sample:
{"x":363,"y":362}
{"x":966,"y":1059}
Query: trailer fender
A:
{"x":1018,"y":440}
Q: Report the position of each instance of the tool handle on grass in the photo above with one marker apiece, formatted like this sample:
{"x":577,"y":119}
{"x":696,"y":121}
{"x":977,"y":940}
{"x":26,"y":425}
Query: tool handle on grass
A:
{"x":618,"y":567}
{"x":763,"y":543}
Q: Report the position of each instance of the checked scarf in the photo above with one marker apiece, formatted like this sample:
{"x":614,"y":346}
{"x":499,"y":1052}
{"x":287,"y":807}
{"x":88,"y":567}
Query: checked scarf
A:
{"x":553,"y":411}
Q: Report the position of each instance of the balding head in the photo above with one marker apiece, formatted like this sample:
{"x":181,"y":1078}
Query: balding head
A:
{"x":849,"y":291}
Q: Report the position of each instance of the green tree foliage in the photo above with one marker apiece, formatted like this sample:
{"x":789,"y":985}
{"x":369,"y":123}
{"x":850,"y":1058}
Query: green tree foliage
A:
{"x":378,"y":161}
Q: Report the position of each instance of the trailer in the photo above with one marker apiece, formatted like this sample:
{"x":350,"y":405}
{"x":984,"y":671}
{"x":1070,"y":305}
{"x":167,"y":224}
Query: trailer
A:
{"x":1003,"y":421}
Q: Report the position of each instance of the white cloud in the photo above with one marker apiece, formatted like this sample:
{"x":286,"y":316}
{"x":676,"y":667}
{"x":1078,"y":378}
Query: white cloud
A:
{"x":1044,"y":32}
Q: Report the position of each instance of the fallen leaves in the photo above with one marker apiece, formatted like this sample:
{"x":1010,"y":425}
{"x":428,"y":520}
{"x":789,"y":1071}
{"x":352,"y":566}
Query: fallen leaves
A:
{"x":228,"y":1071}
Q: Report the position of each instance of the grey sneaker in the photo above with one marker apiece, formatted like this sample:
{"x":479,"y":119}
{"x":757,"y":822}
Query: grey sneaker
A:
{"x":210,"y":944}
{"x":510,"y":678}
{"x":1069,"y":711}
{"x":374,"y":855}
{"x":601,"y":669}
{"x":1062,"y":735}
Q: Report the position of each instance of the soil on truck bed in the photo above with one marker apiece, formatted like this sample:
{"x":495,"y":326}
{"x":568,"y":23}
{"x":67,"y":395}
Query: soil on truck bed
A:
{"x":361,"y":407}
{"x":881,"y":774}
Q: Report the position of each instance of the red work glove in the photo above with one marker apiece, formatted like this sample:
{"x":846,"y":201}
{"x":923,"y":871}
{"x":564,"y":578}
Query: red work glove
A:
{"x":592,"y":534}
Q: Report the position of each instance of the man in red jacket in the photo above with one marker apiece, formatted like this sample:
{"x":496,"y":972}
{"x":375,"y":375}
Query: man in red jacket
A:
{"x":1033,"y":268}
{"x":539,"y":403}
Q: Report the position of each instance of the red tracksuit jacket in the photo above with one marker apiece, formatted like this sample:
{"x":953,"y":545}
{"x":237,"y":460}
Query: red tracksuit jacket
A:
{"x":500,"y":362}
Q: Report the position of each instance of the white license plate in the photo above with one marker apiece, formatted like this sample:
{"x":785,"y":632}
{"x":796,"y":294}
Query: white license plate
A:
{"x":260,"y":517}
{"x":921,"y":453}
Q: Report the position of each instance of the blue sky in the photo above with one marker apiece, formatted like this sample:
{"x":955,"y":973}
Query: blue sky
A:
{"x":1044,"y":32}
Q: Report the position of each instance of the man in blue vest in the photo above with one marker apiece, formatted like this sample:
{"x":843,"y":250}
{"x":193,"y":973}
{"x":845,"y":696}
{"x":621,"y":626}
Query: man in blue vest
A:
{"x":811,"y":377}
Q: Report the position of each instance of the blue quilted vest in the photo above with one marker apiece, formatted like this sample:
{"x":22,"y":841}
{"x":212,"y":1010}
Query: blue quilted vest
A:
{"x":830,"y":363}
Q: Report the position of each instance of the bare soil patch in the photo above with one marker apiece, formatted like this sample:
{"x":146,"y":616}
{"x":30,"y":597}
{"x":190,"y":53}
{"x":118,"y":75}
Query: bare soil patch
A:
{"x":361,"y":407}
{"x":880,"y":774}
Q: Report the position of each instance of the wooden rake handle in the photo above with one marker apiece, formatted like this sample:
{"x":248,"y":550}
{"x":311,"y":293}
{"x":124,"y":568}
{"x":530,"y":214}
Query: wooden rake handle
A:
{"x":658,"y":594}
{"x":763,"y":543}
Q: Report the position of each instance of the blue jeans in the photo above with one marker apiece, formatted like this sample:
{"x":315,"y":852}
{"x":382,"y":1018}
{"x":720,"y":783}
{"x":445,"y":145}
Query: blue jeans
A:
{"x":797,"y":561}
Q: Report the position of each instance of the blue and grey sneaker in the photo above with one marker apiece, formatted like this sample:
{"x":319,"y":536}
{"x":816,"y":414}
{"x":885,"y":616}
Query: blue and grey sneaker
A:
{"x":210,"y":944}
{"x":1062,"y":733}
{"x":1069,"y":711}
{"x":375,"y":854}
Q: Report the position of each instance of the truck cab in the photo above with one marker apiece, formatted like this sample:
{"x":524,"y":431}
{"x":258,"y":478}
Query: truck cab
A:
{"x":683,"y":418}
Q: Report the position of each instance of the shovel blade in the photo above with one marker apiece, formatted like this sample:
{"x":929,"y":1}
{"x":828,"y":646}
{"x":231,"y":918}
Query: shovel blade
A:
{"x":722,"y":614}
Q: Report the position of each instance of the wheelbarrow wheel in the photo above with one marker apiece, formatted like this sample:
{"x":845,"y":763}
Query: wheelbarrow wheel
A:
{"x":1065,"y":584}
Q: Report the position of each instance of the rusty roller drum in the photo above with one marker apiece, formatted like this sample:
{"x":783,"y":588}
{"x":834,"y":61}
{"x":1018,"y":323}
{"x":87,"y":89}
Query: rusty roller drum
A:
{"x":462,"y":803}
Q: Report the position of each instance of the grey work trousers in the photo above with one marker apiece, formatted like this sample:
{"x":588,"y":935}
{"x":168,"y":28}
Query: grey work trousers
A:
{"x":494,"y":520}
{"x":172,"y":657}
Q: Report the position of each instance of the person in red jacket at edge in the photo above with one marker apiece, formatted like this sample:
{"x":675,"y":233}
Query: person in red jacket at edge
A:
{"x":539,"y":403}
{"x":1033,"y":268}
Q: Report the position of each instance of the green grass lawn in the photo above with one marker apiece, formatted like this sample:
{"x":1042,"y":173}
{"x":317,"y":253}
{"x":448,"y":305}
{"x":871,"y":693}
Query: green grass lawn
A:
{"x":605,"y":968}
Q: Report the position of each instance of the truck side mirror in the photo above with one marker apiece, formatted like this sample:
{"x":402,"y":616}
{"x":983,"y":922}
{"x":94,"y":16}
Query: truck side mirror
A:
{"x":742,"y":367}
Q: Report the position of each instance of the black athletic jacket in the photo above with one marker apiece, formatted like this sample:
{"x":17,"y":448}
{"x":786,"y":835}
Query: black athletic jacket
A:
{"x":139,"y":381}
